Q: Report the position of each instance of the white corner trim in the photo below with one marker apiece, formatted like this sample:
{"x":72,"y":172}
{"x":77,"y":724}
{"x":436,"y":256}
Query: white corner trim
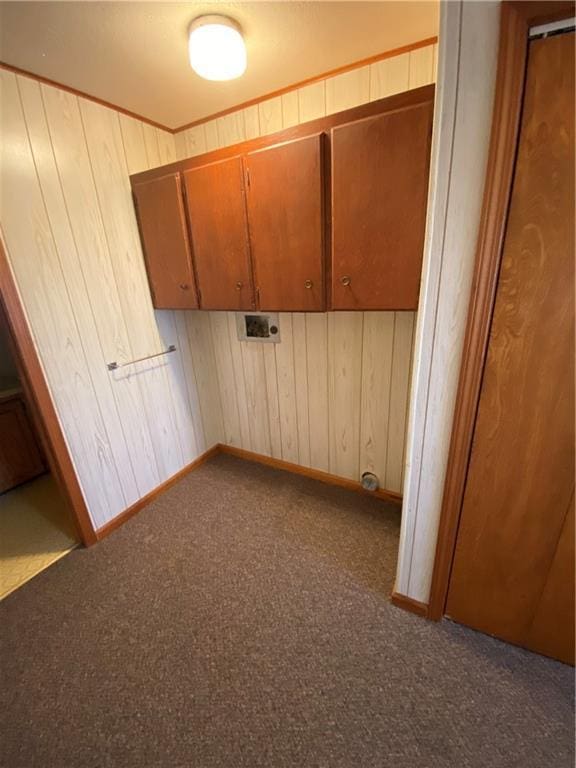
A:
{"x":468,"y":46}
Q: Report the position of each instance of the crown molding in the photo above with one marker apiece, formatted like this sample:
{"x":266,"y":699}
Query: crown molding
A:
{"x":251,"y":102}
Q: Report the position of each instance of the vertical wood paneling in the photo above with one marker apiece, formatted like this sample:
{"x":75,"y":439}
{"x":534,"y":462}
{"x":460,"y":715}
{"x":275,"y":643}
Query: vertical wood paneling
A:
{"x":196,"y":140}
{"x":344,"y":393}
{"x":134,"y":144}
{"x":161,"y":383}
{"x":347,"y":90}
{"x":97,"y":275}
{"x":230,"y":129}
{"x":399,"y":388}
{"x":285,"y":372}
{"x":312,"y":101}
{"x":239,"y":382}
{"x":421,"y":66}
{"x":152,"y":145}
{"x":301,"y":385}
{"x":85,"y":292}
{"x":389,"y":76}
{"x":376,"y":384}
{"x":177,"y":398}
{"x":255,"y":382}
{"x":270,"y":115}
{"x":251,"y":122}
{"x":183,"y":346}
{"x":269,"y":352}
{"x":204,"y":366}
{"x":211,"y":135}
{"x":166,"y":146}
{"x":317,"y":361}
{"x":181,"y":146}
{"x":190,"y":142}
{"x":106,"y":153}
{"x":39,"y":271}
{"x":226,"y":378}
{"x":290,"y":113}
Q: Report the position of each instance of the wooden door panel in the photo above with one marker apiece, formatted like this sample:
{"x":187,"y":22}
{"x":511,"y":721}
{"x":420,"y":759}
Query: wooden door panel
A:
{"x":217,"y":215}
{"x":286,"y":216}
{"x":164,"y":235}
{"x":379,"y":192}
{"x":521,"y":474}
{"x":552,"y":629}
{"x":20,"y":456}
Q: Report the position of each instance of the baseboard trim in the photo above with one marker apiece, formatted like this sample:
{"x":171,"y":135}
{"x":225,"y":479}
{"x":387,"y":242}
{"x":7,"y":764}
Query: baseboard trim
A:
{"x":315,"y":474}
{"x":259,"y":458}
{"x":409,"y":604}
{"x":123,"y":517}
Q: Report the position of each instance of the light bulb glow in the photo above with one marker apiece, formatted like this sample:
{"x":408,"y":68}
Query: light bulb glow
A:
{"x":216,"y":48}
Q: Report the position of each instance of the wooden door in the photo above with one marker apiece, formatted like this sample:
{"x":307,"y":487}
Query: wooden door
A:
{"x":215,"y":197}
{"x":165,"y":243}
{"x":20,"y":455}
{"x":379,"y":193}
{"x":286,"y":216}
{"x":513,"y":570}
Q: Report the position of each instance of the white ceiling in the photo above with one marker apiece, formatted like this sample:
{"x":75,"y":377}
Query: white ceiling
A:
{"x":134,"y":54}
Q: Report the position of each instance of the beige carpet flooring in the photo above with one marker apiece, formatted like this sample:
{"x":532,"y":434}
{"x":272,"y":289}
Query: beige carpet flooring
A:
{"x":242,"y":620}
{"x":34,"y":532}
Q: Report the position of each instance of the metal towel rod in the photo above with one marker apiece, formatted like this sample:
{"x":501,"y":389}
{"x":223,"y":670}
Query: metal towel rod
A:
{"x":114,"y":366}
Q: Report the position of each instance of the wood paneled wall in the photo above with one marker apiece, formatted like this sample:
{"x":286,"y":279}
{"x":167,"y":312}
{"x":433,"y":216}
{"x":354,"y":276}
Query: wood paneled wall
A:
{"x":333,"y":393}
{"x":70,"y":231}
{"x":462,"y":123}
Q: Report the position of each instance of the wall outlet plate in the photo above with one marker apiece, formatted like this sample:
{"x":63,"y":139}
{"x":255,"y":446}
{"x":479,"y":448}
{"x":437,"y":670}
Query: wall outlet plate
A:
{"x":258,"y":326}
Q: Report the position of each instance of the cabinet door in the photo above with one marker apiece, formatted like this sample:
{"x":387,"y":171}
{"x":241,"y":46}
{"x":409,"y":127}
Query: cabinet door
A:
{"x":164,"y":237}
{"x":285,"y":211}
{"x":20,"y":457}
{"x":217,"y":215}
{"x":379,"y":191}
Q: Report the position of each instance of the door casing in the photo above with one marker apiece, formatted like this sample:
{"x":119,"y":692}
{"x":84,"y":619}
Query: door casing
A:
{"x":39,"y":400}
{"x":515,"y":22}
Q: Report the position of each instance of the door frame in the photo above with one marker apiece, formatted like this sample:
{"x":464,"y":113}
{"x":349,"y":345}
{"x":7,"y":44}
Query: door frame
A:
{"x":516,"y":18}
{"x":39,"y":401}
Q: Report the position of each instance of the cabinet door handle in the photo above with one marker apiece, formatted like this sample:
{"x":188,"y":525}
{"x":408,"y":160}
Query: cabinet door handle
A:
{"x":308,"y":284}
{"x":345,"y":280}
{"x":239,"y":285}
{"x":184,"y":286}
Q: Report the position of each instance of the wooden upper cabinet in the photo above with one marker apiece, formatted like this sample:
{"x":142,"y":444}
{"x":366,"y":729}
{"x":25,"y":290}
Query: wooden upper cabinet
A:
{"x":216,"y":202}
{"x":254,"y":223}
{"x":162,"y":221}
{"x":379,"y":192}
{"x":286,"y":217}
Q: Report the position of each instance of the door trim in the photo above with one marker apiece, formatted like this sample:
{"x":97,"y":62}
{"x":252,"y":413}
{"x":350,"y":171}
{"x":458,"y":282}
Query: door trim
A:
{"x":515,"y":21}
{"x":38,"y":397}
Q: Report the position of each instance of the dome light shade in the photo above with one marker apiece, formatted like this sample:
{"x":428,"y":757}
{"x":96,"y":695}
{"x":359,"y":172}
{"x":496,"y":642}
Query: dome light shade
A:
{"x":216,"y":48}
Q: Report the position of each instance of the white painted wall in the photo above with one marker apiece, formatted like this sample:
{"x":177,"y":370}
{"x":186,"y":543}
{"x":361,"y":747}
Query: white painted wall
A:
{"x":463,"y":116}
{"x":333,"y":394}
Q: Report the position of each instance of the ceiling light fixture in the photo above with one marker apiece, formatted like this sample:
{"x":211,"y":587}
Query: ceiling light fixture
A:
{"x":216,"y":48}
